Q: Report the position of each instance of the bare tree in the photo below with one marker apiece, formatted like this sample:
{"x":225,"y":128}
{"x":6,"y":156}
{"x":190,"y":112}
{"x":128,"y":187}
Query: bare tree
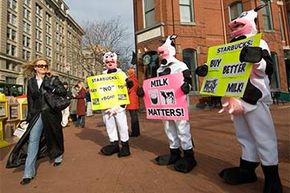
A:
{"x":102,"y":36}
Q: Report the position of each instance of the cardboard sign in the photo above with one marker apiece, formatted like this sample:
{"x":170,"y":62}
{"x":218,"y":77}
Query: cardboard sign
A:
{"x":164,"y":98}
{"x":227,"y":76}
{"x":108,"y":90}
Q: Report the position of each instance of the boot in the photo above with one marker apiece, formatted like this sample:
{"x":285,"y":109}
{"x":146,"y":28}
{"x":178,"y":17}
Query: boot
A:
{"x":111,"y":149}
{"x":169,"y":158}
{"x":272,"y":179}
{"x":240,"y":175}
{"x":125,"y":150}
{"x":186,"y":163}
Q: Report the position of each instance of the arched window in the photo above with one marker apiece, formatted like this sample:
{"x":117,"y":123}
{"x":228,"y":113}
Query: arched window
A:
{"x":275,"y":84}
{"x":235,"y":9}
{"x":189,"y":56}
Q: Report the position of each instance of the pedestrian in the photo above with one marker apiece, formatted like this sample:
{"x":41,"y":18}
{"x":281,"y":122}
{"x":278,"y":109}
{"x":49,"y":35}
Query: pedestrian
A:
{"x":44,"y":135}
{"x":66,"y":111}
{"x":115,"y":118}
{"x":73,"y":104}
{"x":88,"y":102}
{"x":134,"y":103}
{"x":81,"y":105}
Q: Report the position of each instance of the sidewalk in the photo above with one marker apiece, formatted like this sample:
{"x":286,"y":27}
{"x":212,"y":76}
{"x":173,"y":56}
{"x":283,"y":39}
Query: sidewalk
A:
{"x":84,"y":170}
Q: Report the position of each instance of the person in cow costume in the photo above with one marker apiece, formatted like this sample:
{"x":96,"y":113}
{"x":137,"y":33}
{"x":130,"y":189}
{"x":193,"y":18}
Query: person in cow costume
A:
{"x":177,"y":131}
{"x":251,"y":115}
{"x":115,"y":118}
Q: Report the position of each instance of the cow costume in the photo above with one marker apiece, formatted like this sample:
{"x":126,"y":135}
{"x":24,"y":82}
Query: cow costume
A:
{"x":178,"y":132}
{"x":251,"y":115}
{"x":115,"y":118}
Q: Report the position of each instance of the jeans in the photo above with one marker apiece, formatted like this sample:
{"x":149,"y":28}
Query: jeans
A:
{"x":134,"y":123}
{"x":33,"y":147}
{"x":80,"y":121}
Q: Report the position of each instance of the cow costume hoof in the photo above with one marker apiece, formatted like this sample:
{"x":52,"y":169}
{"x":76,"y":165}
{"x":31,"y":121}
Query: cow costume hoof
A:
{"x":125,"y":150}
{"x":169,"y":159}
{"x":187,"y":163}
{"x":272,"y":179}
{"x":240,"y":175}
{"x":111,"y":149}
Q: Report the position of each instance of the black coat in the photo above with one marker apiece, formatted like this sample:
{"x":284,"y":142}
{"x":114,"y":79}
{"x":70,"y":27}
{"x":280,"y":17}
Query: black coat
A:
{"x":51,"y":143}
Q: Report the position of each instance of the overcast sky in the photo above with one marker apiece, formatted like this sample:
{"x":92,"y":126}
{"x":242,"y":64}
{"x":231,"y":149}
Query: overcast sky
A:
{"x":90,"y":10}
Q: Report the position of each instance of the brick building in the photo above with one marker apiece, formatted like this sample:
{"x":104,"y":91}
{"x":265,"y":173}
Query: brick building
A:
{"x":201,"y":24}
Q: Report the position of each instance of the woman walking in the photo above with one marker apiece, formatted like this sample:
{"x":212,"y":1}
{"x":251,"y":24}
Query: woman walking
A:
{"x":44,"y":135}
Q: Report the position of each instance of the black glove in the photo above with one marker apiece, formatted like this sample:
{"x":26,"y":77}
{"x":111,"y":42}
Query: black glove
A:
{"x":129,"y":83}
{"x":140,"y":92}
{"x":185,"y":87}
{"x":201,"y":70}
{"x":47,"y":84}
{"x":251,"y":54}
{"x":111,"y":71}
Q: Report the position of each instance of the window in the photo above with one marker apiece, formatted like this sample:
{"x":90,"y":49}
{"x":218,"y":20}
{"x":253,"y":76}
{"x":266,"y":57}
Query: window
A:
{"x":38,"y":22}
{"x":186,"y":11}
{"x":26,"y":13}
{"x":27,"y":2}
{"x":267,"y":17}
{"x":48,"y":40}
{"x":26,"y":41}
{"x":38,"y":34}
{"x":235,"y":10}
{"x":26,"y":27}
{"x":149,"y":13}
{"x":189,"y":56}
{"x":25,"y":54}
{"x":11,"y":18}
{"x":48,"y":18}
{"x":38,"y":47}
{"x":151,"y":64}
{"x":12,"y":4}
{"x":11,"y":34}
{"x":38,"y":10}
{"x":275,"y":76}
{"x":11,"y":49}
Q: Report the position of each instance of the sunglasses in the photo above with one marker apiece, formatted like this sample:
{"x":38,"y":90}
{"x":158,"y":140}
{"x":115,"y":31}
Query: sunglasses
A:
{"x":42,"y":66}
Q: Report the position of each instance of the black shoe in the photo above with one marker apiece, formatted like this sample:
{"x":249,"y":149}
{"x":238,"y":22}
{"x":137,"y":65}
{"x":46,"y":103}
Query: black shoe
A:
{"x":111,"y":149}
{"x":125,"y":150}
{"x":169,"y":159}
{"x":187,"y":163}
{"x":25,"y":181}
{"x":55,"y":164}
{"x":272,"y":179}
{"x":243,"y":174}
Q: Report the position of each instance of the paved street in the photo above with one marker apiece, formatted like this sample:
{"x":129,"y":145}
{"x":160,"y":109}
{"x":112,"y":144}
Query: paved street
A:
{"x":84,"y":170}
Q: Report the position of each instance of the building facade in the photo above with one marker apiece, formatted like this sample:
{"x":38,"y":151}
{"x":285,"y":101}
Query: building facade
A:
{"x":201,"y":24}
{"x":38,"y":28}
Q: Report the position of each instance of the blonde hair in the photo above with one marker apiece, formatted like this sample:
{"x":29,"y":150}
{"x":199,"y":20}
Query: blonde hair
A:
{"x":28,"y":68}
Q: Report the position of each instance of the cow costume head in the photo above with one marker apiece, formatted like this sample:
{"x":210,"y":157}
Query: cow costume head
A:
{"x":167,"y":50}
{"x":245,"y":24}
{"x":110,"y":60}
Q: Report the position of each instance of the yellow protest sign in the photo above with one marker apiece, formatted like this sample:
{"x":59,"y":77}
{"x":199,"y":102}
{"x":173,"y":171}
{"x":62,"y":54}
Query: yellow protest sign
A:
{"x":108,"y":90}
{"x":227,"y":76}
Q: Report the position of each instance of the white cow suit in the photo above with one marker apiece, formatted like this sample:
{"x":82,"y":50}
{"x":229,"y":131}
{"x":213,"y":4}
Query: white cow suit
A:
{"x":177,"y":131}
{"x":252,"y":118}
{"x":115,"y":118}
